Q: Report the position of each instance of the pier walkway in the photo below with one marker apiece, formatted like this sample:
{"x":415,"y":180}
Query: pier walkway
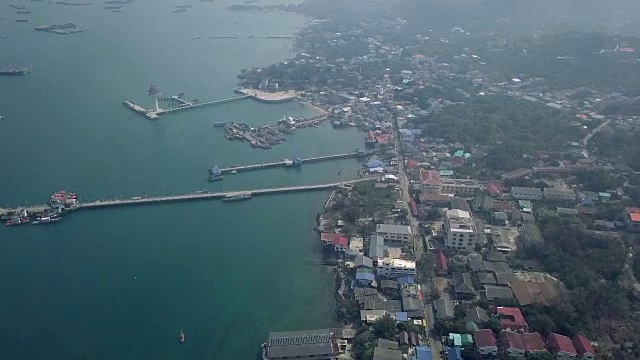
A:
{"x":185,"y":105}
{"x":101,"y":204}
{"x":291,"y":163}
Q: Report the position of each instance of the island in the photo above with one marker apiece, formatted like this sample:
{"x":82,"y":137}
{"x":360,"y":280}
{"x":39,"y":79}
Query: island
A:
{"x":63,"y":29}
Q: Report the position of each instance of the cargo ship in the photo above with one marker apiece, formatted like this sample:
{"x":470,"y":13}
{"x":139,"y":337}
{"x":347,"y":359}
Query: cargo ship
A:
{"x":237,"y":197}
{"x":16,"y":71}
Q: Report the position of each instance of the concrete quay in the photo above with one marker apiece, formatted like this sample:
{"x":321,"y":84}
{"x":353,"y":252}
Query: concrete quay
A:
{"x":103,"y":204}
{"x":290,"y":163}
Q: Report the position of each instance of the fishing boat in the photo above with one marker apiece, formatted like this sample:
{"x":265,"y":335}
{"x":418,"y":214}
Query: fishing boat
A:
{"x":181,"y":337}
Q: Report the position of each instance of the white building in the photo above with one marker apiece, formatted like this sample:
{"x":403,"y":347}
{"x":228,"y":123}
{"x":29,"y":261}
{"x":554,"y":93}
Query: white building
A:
{"x":459,"y":187}
{"x":394,"y":233}
{"x":394,"y":268}
{"x":460,"y":231}
{"x":526,"y":193}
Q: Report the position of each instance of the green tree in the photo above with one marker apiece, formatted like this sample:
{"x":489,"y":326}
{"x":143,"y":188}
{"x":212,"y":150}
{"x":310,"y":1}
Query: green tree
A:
{"x":494,"y":325}
{"x":385,"y":328}
{"x":363,"y":342}
{"x":471,"y":353}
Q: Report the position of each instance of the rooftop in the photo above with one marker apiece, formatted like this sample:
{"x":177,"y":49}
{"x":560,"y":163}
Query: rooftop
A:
{"x":302,"y":343}
{"x":399,"y":263}
{"x":484,"y":338}
{"x":380,"y":353}
{"x":533,"y":341}
{"x":582,"y":345}
{"x":429,"y":177}
{"x":511,"y":318}
{"x":512,"y":340}
{"x":558,"y":343}
{"x":395,"y":229}
{"x":460,"y":220}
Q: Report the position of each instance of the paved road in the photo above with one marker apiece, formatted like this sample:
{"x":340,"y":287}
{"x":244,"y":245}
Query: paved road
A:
{"x":433,"y":341}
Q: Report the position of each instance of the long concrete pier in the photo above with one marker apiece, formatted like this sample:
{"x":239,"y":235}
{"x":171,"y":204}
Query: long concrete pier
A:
{"x":101,"y":204}
{"x":291,"y":163}
{"x":185,"y":105}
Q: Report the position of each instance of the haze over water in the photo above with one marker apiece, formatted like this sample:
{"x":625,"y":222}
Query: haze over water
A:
{"x":122,"y":283}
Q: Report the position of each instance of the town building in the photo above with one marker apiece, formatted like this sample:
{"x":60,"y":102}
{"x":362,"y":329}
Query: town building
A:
{"x":380,"y":353}
{"x":566,"y":195}
{"x":459,"y":187}
{"x":376,"y":247}
{"x":430,"y":180}
{"x":340,"y":244}
{"x":526,"y":193}
{"x":305,"y":345}
{"x":460,"y":231}
{"x":632,"y":218}
{"x":534,"y":342}
{"x":512,"y":344}
{"x":583,"y":347}
{"x":394,"y":268}
{"x":531,"y":234}
{"x":394,"y":233}
{"x":422,"y":353}
{"x":511,"y":319}
{"x":463,"y":286}
{"x":562,"y":347}
{"x":444,"y":308}
{"x":486,"y":342}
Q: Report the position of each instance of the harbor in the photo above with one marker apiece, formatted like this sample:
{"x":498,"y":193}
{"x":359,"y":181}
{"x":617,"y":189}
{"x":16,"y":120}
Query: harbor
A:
{"x":144,"y":200}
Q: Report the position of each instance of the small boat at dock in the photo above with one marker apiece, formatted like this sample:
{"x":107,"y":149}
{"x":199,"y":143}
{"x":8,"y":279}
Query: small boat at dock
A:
{"x":237,"y":197}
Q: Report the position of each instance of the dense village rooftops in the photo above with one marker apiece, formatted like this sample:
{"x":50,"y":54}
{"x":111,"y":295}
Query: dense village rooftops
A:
{"x":430,"y":177}
{"x":559,"y":192}
{"x":393,"y":229}
{"x":515,"y":174}
{"x":560,"y":343}
{"x":532,"y":191}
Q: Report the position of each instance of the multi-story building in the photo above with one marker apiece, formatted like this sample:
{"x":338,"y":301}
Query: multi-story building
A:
{"x":394,"y":268}
{"x":526,"y":193}
{"x":430,"y":181}
{"x":394,"y":233}
{"x":459,"y":187}
{"x":567,"y":195}
{"x":306,"y":344}
{"x":460,"y":231}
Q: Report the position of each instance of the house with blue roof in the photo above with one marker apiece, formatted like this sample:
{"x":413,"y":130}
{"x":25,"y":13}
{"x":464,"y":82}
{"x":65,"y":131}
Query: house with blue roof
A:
{"x":364,"y":277}
{"x":402,"y":316}
{"x":406,"y":280}
{"x":454,"y":353}
{"x":422,"y":353}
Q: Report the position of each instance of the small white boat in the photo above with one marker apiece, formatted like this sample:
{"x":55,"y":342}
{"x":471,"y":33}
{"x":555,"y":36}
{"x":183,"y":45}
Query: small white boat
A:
{"x":2,"y":117}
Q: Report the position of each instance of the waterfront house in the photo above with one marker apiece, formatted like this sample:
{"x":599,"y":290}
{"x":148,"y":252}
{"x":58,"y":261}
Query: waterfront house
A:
{"x":340,"y":244}
{"x":305,"y":345}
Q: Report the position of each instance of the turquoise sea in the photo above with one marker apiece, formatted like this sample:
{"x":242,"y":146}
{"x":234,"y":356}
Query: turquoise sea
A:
{"x":122,"y":283}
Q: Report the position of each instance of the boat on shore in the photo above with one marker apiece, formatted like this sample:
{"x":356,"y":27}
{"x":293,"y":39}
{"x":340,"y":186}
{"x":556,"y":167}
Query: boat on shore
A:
{"x":237,"y":197}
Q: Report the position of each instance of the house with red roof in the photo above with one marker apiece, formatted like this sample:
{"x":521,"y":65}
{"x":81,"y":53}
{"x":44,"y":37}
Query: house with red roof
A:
{"x":430,"y":180}
{"x":583,"y":347}
{"x":512,"y":344}
{"x":511,"y":319}
{"x":327,"y":238}
{"x":632,"y":218}
{"x":442,"y":265}
{"x":485,"y":342}
{"x":340,"y":244}
{"x":562,"y":347}
{"x":533,"y":342}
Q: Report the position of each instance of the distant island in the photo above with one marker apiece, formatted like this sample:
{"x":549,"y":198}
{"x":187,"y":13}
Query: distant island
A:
{"x":63,"y":29}
{"x":118,"y":1}
{"x":77,"y":2}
